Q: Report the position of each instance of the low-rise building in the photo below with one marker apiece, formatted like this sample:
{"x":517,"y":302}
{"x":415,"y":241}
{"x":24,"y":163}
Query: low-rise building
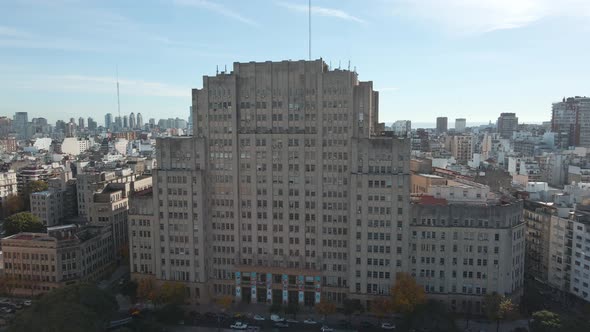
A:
{"x":39,"y":262}
{"x":466,"y":243}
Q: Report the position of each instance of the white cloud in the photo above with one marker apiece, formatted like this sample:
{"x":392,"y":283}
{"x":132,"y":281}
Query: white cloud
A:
{"x":9,"y":32}
{"x":217,"y":8}
{"x":321,"y":11}
{"x":99,"y":84}
{"x":480,"y":16}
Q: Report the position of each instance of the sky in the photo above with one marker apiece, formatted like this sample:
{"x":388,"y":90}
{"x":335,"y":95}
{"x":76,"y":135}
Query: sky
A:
{"x":468,"y":59}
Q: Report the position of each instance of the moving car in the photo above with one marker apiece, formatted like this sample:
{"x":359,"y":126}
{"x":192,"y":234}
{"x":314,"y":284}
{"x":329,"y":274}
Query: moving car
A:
{"x":325,"y":328}
{"x":388,"y":326}
{"x":276,"y":318}
{"x":259,"y":317}
{"x":281,"y":325}
{"x":292,"y":321}
{"x":239,"y":326}
{"x":310,"y":321}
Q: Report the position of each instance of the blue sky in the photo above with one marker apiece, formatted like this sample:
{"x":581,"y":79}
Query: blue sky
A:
{"x":455,"y":58}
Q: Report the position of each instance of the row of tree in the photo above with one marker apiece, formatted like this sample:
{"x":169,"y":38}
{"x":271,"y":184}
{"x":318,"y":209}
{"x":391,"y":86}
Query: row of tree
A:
{"x":19,"y":203}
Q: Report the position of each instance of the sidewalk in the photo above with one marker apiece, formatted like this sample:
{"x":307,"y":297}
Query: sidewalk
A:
{"x":478,"y":325}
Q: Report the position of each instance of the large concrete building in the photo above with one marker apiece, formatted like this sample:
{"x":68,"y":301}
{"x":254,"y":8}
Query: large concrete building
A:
{"x":442,"y":124}
{"x":570,"y":120}
{"x":40,"y":262}
{"x":507,"y":124}
{"x":467,"y":242}
{"x":460,"y":125}
{"x":8,"y":187}
{"x":19,"y":124}
{"x":289,"y":191}
{"x":462,"y":147}
{"x":48,"y":206}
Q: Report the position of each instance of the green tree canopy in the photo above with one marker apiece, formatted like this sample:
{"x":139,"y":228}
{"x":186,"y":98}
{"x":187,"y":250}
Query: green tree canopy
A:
{"x":498,"y":308}
{"x":79,"y":307}
{"x":12,"y":204}
{"x":36,"y":186}
{"x":22,"y":222}
{"x":545,"y":321}
{"x":407,"y":294}
{"x":173,"y":293}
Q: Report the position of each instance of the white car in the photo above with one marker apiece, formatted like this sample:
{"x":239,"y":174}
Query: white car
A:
{"x":310,"y":321}
{"x":276,"y":318}
{"x":388,"y":326}
{"x":325,"y":328}
{"x":27,"y":303}
{"x":239,"y":326}
{"x":292,"y":321}
{"x":259,"y":317}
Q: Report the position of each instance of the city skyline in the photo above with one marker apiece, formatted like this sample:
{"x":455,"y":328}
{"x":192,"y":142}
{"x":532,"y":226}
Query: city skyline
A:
{"x":423,"y":64}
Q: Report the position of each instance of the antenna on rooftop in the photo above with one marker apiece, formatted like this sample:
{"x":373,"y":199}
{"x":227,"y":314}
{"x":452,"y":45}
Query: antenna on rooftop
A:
{"x":348,"y":65}
{"x":118,"y":99}
{"x":216,"y":69}
{"x":309,"y":13}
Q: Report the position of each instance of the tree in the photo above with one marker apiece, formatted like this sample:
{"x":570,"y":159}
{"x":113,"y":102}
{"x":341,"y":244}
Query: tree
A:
{"x":292,"y":309}
{"x":498,"y":308}
{"x":381,"y":307}
{"x":79,"y":307}
{"x":171,"y":293}
{"x":406,"y":294}
{"x":545,"y":321}
{"x":325,"y":308}
{"x":22,"y":222}
{"x":350,"y":307}
{"x":33,"y":187}
{"x":225,"y":302}
{"x":130,"y":289}
{"x":7,"y":285}
{"x":13,"y":204}
{"x":146,"y":291}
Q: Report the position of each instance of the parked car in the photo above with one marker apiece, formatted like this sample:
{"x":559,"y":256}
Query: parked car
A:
{"x":239,"y":326}
{"x":259,"y":317}
{"x":388,"y":326}
{"x":281,"y":325}
{"x":325,"y":328}
{"x":28,"y":303}
{"x":276,"y":318}
{"x":292,"y":321}
{"x":310,"y":321}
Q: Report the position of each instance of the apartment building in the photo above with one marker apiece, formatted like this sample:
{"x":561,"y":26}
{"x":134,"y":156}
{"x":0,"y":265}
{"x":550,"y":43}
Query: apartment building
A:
{"x":461,"y":147}
{"x":8,"y":186}
{"x":110,"y":207}
{"x":288,"y":191}
{"x":48,"y":206}
{"x":570,"y":120}
{"x":40,"y":262}
{"x":467,"y":242}
{"x":507,"y":124}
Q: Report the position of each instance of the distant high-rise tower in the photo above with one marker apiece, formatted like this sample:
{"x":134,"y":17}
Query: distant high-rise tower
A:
{"x":108,"y":121}
{"x":442,"y":124}
{"x":460,"y":124}
{"x":139,"y":121}
{"x":132,"y":120}
{"x":569,"y":120}
{"x":19,"y":124}
{"x":91,"y":124}
{"x":80,"y":123}
{"x":507,"y":124}
{"x":152,"y":123}
{"x":125,"y":121}
{"x":118,"y":123}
